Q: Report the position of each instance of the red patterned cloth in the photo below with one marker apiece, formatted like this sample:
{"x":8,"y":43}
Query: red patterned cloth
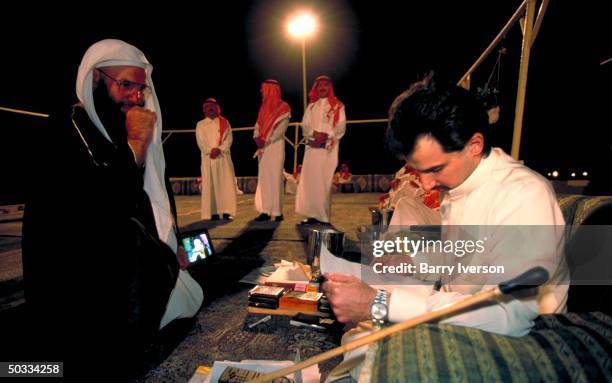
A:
{"x":272,"y":107}
{"x":409,"y":177}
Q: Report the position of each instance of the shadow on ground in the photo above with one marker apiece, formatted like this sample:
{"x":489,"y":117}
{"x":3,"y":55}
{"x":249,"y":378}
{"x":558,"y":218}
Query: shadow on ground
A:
{"x":219,"y":277}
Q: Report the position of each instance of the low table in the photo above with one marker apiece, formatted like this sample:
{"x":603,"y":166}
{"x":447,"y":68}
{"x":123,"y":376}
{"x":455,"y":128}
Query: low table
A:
{"x":287,"y":312}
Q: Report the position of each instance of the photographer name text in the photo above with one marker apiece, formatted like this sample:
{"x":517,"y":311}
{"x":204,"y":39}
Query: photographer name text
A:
{"x":425,"y":268}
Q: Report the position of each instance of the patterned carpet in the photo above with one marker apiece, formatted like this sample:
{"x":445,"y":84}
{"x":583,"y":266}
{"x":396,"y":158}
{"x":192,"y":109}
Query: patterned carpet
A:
{"x":220,"y":330}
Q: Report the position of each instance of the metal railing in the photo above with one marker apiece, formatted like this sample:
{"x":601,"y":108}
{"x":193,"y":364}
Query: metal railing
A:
{"x":294,"y":143}
{"x":26,"y":112}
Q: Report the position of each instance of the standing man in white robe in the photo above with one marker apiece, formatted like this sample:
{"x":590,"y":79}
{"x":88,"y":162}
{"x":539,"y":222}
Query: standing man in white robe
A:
{"x":323,"y":126}
{"x":214,"y":136}
{"x":272,"y":122}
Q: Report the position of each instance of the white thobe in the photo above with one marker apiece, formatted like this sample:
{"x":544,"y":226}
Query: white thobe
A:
{"x":185,"y":300}
{"x":269,"y":194}
{"x":412,"y":211}
{"x":313,"y":197}
{"x":218,"y":186}
{"x":501,"y":191}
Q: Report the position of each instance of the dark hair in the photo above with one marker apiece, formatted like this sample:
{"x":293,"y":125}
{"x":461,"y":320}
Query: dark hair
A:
{"x":438,"y":108}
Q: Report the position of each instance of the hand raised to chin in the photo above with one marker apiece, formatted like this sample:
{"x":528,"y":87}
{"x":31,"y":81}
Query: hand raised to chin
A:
{"x":140,"y":125}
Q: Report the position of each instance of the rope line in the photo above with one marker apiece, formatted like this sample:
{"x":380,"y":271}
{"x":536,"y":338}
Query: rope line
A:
{"x":26,"y":112}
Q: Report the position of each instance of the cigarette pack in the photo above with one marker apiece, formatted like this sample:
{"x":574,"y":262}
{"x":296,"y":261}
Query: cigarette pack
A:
{"x":265,"y":296}
{"x":270,"y":292}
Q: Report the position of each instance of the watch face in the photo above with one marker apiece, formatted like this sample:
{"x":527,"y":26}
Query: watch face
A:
{"x":379,"y":311}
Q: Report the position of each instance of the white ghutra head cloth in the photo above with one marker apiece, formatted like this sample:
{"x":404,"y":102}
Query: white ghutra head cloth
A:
{"x":113,"y":52}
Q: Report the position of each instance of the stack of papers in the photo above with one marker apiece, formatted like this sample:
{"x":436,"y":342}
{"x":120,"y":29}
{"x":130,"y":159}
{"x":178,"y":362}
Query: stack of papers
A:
{"x":258,"y":276}
{"x":284,"y":273}
{"x":309,"y":375}
{"x":289,"y":275}
{"x":289,"y":271}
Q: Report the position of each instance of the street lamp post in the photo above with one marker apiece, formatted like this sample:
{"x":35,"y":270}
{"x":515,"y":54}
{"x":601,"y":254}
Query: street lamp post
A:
{"x":301,"y":27}
{"x":304,"y":85}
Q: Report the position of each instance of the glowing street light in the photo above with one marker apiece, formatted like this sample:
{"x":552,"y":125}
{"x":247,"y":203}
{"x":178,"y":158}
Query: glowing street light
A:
{"x":302,"y":26}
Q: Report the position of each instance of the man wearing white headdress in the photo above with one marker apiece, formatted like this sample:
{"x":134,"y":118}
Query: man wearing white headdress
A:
{"x":272,"y":122}
{"x":214,"y":138}
{"x":323,"y":125}
{"x":100,"y":242}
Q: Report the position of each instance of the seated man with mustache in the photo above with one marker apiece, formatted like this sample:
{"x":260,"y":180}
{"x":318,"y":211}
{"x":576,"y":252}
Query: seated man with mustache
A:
{"x":439,"y":129}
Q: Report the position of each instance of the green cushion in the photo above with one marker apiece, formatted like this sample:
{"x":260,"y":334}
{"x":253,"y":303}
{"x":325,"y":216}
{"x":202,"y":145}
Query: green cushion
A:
{"x":588,"y":206}
{"x":576,"y":208}
{"x":561,"y":347}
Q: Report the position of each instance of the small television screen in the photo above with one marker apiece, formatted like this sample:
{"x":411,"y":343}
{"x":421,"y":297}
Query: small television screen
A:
{"x":198,"y":245}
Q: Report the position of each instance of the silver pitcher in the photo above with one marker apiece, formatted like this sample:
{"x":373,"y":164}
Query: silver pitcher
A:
{"x":380,"y":220}
{"x":332,"y":239}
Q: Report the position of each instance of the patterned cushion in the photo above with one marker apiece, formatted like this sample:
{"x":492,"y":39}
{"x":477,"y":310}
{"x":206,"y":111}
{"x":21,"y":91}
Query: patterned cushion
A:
{"x":576,"y":208}
{"x":560,"y":348}
{"x":588,"y":205}
{"x":569,"y":204}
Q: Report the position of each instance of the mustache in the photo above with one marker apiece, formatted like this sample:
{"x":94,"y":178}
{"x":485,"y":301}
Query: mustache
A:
{"x":441,"y":188}
{"x":133,"y":104}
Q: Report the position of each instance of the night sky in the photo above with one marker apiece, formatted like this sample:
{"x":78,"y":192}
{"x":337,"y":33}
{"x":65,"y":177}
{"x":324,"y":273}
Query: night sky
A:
{"x":372,"y":49}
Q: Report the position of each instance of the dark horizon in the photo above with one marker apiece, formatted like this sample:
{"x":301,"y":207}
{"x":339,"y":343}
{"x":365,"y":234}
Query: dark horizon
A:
{"x":226,"y":50}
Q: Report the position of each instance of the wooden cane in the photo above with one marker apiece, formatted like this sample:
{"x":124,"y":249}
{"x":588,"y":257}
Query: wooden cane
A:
{"x":530,"y":279}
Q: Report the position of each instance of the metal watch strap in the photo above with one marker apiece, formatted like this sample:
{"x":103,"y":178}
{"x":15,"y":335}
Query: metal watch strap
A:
{"x":381,"y":297}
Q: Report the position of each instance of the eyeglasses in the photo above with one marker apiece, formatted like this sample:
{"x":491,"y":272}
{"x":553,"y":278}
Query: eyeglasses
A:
{"x":128,"y":86}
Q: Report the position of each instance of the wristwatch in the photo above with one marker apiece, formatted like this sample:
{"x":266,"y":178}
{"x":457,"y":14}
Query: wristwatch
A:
{"x":379,"y":310}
